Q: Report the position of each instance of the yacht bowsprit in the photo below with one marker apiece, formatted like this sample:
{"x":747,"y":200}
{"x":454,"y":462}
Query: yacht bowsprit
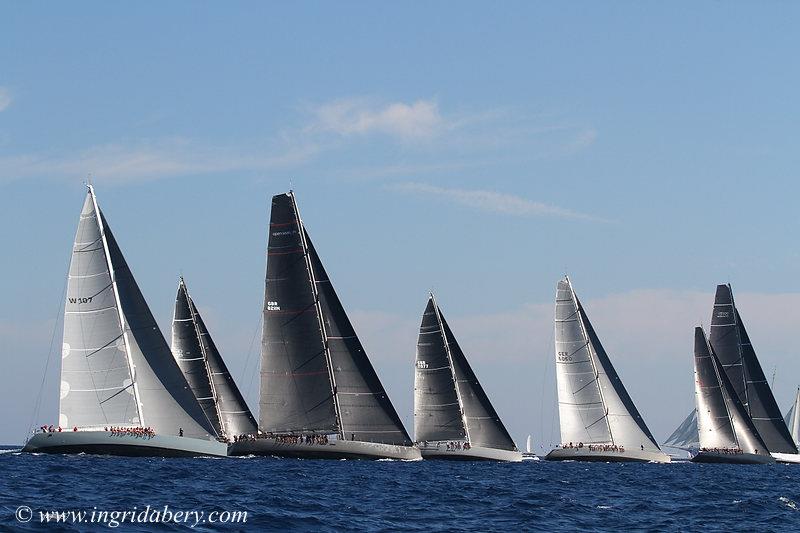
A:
{"x":598,"y":419}
{"x":727,"y":434}
{"x":453,"y":417}
{"x":320,"y":395}
{"x":208,"y":376}
{"x":121,"y":391}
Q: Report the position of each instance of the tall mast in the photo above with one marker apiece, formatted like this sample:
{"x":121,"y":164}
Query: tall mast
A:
{"x":452,"y":367}
{"x":592,"y":356}
{"x":120,"y":312}
{"x":739,"y":347}
{"x":313,"y":279}
{"x":723,"y":390}
{"x":205,"y":358}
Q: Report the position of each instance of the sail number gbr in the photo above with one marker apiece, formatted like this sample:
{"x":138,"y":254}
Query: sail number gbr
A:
{"x":273,"y":306}
{"x":563,"y":357}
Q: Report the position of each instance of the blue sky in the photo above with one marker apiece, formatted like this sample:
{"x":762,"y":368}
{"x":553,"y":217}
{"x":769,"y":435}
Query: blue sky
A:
{"x":648,"y":150}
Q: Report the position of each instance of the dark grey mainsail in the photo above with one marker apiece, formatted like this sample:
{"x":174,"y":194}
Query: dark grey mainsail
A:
{"x":437,"y":411}
{"x":208,"y":376}
{"x":316,"y":376}
{"x":732,"y":345}
{"x":722,"y":420}
{"x":484,"y":427}
{"x":685,"y":436}
{"x":117,"y":369}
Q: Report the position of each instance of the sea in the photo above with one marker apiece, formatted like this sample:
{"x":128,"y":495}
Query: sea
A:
{"x":37,"y":491}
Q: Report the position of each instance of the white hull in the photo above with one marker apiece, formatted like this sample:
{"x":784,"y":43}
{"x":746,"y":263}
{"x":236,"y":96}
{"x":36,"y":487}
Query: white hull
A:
{"x":475,"y":453}
{"x":793,"y":458}
{"x":732,"y":458}
{"x":107,"y":443}
{"x":584,"y":454}
{"x":334,"y":449}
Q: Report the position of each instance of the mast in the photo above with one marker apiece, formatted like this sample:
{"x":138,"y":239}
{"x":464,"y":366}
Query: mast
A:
{"x":723,"y":390}
{"x":320,"y":320}
{"x":592,"y":355}
{"x":452,"y":367}
{"x":120,"y":312}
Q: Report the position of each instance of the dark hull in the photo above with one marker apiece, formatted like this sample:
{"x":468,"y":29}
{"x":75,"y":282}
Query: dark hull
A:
{"x":335,"y":449}
{"x":105,"y":443}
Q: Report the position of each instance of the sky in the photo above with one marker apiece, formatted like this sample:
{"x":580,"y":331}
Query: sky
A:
{"x":647,"y":150}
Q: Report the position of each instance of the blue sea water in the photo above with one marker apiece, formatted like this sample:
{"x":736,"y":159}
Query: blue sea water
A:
{"x":311,"y":495}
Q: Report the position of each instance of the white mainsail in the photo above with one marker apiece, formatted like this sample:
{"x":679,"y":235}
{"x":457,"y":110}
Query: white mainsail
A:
{"x":593,"y":405}
{"x":792,"y":418}
{"x":116,"y":368}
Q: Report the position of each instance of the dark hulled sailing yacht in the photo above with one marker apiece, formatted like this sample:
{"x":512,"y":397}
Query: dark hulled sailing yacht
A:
{"x":453,"y":417}
{"x":205,"y":371}
{"x":121,"y":391}
{"x":726,"y":432}
{"x":320,"y":395}
{"x":597,"y":417}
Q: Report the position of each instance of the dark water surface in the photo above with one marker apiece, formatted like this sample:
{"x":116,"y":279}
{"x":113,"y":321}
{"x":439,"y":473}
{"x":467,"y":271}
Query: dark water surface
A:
{"x":281,"y":494}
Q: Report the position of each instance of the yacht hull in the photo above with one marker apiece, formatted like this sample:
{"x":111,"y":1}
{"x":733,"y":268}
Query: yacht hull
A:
{"x":732,"y":458}
{"x":334,"y":449}
{"x":584,"y":454}
{"x":791,"y":458}
{"x":475,"y":453}
{"x":107,"y":443}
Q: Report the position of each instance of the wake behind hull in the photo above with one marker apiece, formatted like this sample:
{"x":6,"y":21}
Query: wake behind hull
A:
{"x":732,"y":458}
{"x":475,"y":453}
{"x":106,"y":443}
{"x":584,"y":454}
{"x":334,"y":449}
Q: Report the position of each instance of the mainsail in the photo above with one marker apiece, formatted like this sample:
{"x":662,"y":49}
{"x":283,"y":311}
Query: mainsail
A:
{"x":206,"y":372}
{"x":732,"y":345}
{"x":593,"y":405}
{"x":722,"y":420}
{"x":685,"y":436}
{"x":450,"y":402}
{"x":116,"y":367}
{"x":792,"y":418}
{"x":315,"y":375}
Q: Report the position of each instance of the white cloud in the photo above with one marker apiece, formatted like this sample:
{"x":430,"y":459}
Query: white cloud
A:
{"x":407,"y":121}
{"x":491,"y":201}
{"x":151,"y":160}
{"x":5,"y":99}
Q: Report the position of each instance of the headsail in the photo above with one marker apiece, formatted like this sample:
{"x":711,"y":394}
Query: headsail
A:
{"x":685,"y":436}
{"x":315,"y":374}
{"x":206,"y":372}
{"x":116,"y":366}
{"x":722,"y":419}
{"x":792,"y":418}
{"x":594,"y":406}
{"x":732,"y":345}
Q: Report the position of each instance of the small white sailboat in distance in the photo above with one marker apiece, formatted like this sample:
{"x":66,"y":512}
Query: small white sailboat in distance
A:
{"x":528,"y":455}
{"x":597,"y":417}
{"x":792,"y":418}
{"x":122,"y":392}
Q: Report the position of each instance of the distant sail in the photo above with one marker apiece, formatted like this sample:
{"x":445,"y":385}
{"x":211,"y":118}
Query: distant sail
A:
{"x":732,"y":345}
{"x":528,"y":445}
{"x":117,"y":369}
{"x":685,"y":436}
{"x":721,"y":418}
{"x":206,"y":372}
{"x":315,"y":374}
{"x":792,"y":418}
{"x":594,"y":407}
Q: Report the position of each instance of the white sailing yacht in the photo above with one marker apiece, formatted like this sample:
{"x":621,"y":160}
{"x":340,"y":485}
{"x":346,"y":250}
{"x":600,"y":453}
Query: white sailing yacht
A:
{"x":598,"y":419}
{"x":792,"y":418}
{"x":121,"y":391}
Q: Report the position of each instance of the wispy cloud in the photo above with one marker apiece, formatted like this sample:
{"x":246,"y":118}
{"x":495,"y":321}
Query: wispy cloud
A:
{"x":416,"y":120}
{"x":5,"y":98}
{"x":491,"y":201}
{"x":152,"y":160}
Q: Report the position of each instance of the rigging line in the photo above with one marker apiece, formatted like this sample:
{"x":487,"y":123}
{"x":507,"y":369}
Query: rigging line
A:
{"x":38,"y":403}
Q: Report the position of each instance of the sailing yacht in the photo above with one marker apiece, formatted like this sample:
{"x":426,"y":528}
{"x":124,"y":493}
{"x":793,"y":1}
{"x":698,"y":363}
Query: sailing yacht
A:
{"x":597,"y":417}
{"x":792,"y":418}
{"x":453,"y":417}
{"x":685,"y":436}
{"x":732,"y":346}
{"x":320,"y":395}
{"x":205,"y":371}
{"x":121,"y":392}
{"x":727,"y":434}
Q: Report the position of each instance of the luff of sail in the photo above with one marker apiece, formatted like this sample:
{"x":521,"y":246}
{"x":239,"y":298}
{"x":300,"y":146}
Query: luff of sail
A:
{"x":594,"y":406}
{"x":116,"y":366}
{"x":206,"y":372}
{"x":732,"y":345}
